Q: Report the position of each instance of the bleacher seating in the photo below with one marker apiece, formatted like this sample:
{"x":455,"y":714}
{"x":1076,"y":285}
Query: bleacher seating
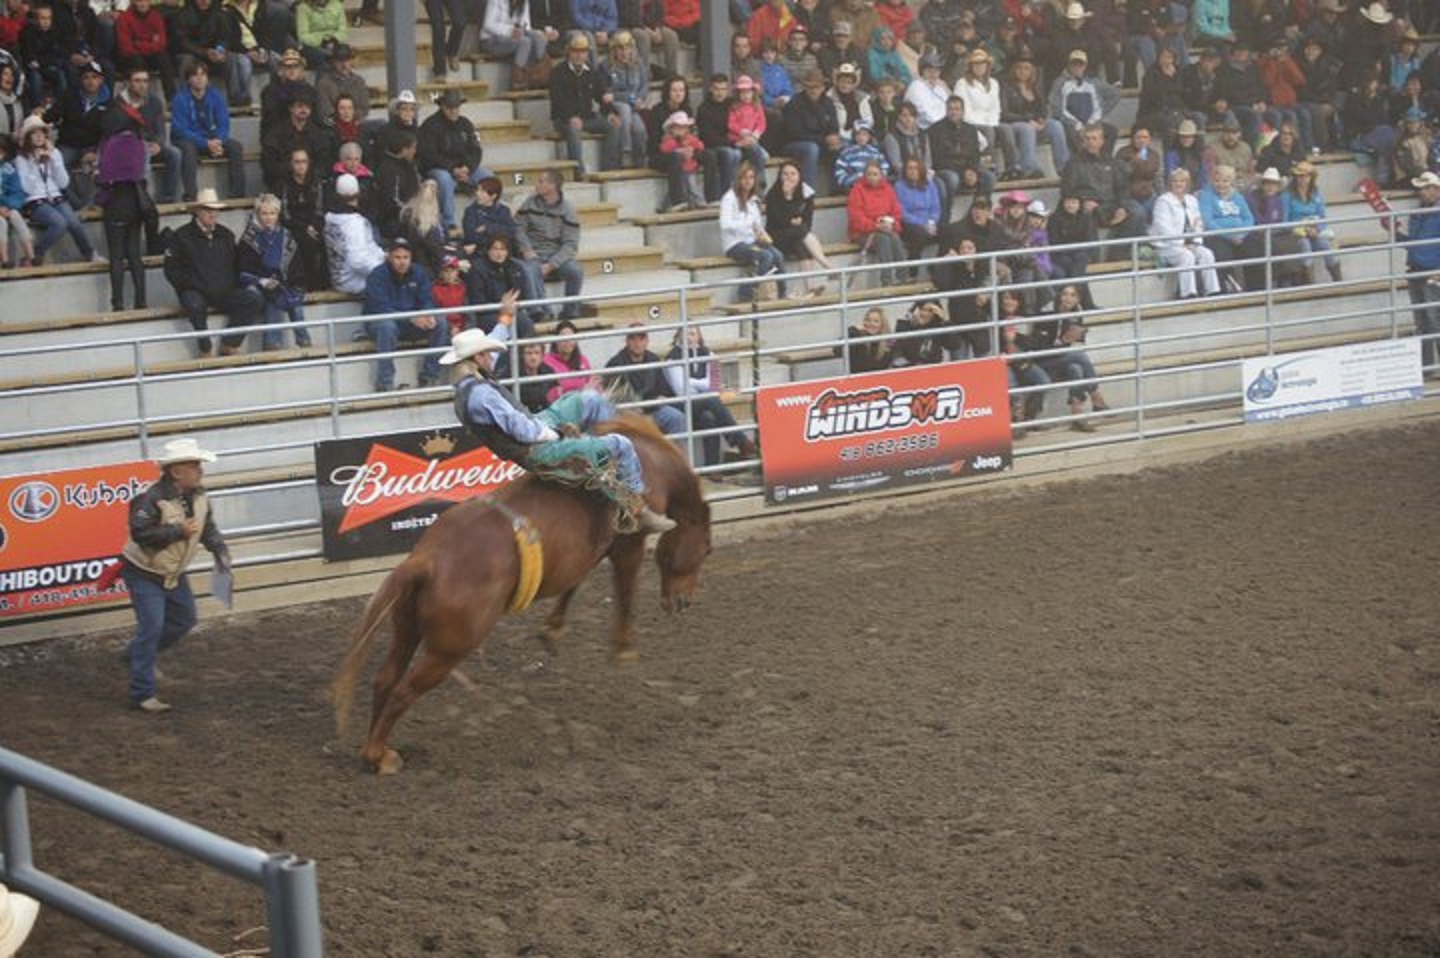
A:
{"x":263,"y":409}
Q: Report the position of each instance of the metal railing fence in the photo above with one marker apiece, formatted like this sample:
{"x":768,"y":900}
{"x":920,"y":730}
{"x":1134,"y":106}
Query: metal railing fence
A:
{"x":292,"y":900}
{"x":1141,"y":345}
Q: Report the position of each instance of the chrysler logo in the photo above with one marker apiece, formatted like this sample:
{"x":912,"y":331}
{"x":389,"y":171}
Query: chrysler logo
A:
{"x":34,"y":501}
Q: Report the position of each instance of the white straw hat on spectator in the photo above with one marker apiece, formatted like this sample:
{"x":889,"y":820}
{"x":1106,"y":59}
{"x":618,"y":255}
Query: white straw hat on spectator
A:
{"x":184,"y":450}
{"x":1271,"y":175}
{"x":469,"y":342}
{"x":207,"y":199}
{"x":1187,"y":128}
{"x":407,"y":96}
{"x":17,"y":917}
{"x":678,"y":118}
{"x":347,"y":185}
{"x":1376,"y":13}
{"x":1425,"y":179}
{"x":1076,"y":11}
{"x":1037,"y":208}
{"x":31,"y":123}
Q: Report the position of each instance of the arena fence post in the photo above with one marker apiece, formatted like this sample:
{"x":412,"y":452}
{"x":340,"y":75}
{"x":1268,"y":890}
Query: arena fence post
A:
{"x":143,"y":428}
{"x":292,"y":907}
{"x":1137,"y":340}
{"x":1270,"y":289}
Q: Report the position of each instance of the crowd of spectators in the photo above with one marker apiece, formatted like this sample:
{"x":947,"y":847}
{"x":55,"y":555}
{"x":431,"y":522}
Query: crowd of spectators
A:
{"x":913,"y":112}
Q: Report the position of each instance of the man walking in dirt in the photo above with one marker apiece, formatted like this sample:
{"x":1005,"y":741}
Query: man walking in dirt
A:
{"x":169,"y":521}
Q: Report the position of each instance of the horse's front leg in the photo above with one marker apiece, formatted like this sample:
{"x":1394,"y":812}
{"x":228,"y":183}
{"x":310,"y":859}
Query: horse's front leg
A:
{"x":555,"y":620}
{"x":626,"y":557}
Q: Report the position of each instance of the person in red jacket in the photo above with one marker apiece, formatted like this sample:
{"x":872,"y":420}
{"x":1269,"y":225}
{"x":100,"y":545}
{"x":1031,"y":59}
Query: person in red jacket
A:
{"x":876,"y":221}
{"x":1284,"y":80}
{"x":683,"y":16}
{"x":141,"y":41}
{"x":774,"y":21}
{"x":448,"y":291}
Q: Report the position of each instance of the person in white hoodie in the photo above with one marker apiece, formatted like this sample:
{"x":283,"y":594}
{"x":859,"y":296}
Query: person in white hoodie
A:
{"x":350,"y":240}
{"x":1175,"y":228}
{"x":981,"y":93}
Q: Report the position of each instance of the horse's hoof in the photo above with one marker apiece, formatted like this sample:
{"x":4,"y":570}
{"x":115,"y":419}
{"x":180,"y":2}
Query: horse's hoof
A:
{"x":627,"y":656}
{"x":390,"y":763}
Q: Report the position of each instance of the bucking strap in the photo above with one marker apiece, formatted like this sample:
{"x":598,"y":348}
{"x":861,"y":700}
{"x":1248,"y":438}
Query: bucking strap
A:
{"x":532,"y":558}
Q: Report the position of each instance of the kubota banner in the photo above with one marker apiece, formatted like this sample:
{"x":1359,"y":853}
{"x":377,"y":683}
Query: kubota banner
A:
{"x":60,"y":530}
{"x":899,"y":426}
{"x":378,"y":494}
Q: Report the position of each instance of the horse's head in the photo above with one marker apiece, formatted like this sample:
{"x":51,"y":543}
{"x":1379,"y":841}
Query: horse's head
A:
{"x":680,"y":553}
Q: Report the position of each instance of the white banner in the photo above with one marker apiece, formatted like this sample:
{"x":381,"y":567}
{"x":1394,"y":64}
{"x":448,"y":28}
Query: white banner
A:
{"x":1324,"y":380}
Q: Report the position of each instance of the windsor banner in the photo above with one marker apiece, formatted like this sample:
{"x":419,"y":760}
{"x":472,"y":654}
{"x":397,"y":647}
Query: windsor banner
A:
{"x":60,"y":530}
{"x":900,"y":426}
{"x":378,"y":494}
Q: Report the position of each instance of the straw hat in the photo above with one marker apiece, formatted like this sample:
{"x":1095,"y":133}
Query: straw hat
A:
{"x":1376,"y":13}
{"x":978,"y":56}
{"x":1271,"y":175}
{"x":469,"y":342}
{"x":578,"y":41}
{"x":30,"y":124}
{"x":207,"y":199}
{"x":183,"y":450}
{"x":1303,"y":168}
{"x":17,"y":917}
{"x":1425,"y":179}
{"x":1079,"y":56}
{"x":1187,"y":128}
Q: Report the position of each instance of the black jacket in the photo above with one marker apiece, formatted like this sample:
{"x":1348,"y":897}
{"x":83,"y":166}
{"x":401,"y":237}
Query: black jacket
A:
{"x":712,"y":123}
{"x":203,"y":263}
{"x":80,"y":129}
{"x":812,"y":120}
{"x":442,"y":145}
{"x":576,"y":93}
{"x":954,"y":146}
{"x":396,"y":180}
{"x":283,"y":139}
{"x":643,"y":383}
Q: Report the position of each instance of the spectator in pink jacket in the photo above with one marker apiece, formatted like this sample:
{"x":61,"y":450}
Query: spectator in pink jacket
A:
{"x":565,"y":357}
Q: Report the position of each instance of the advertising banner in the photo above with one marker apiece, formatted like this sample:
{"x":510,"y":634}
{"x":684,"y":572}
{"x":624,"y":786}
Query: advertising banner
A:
{"x":60,"y":530}
{"x":1324,"y":380}
{"x":890,"y":428}
{"x":378,"y":494}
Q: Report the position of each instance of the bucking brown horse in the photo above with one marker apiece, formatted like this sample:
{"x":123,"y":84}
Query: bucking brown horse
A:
{"x":463,"y":573}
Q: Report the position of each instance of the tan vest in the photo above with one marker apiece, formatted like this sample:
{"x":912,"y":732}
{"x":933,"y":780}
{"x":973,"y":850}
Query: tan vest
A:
{"x":171,"y":562}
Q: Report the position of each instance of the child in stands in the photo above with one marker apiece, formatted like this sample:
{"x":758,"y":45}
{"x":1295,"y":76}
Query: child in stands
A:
{"x":685,"y":148}
{"x":448,"y":291}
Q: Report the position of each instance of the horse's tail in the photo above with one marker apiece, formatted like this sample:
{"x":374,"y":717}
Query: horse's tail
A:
{"x":342,"y":688}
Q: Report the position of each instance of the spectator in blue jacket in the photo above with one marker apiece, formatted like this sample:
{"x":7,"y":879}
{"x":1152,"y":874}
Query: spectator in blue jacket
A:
{"x":920,"y":201}
{"x":1422,"y":258}
{"x":861,"y":152}
{"x":200,"y":127}
{"x":1223,"y":207}
{"x":487,"y":218}
{"x":401,"y":286}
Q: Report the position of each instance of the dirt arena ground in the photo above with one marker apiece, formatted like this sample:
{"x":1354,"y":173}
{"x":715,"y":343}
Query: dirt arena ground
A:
{"x":1193,"y":711}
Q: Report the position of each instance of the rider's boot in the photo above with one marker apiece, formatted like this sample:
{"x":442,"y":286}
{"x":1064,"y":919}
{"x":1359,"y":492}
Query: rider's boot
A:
{"x":647,"y":520}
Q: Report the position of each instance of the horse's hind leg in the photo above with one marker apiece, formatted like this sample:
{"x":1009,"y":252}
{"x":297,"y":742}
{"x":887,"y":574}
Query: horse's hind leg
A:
{"x":626,"y":557}
{"x":555,"y":620}
{"x":429,"y":672}
{"x":402,"y":649}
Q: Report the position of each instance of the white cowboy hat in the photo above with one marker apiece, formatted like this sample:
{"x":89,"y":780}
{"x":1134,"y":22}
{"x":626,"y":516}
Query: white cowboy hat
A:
{"x":207,"y":199}
{"x":184,"y":450}
{"x":1425,"y":179}
{"x":17,"y":917}
{"x":1376,"y":13}
{"x":1037,"y":208}
{"x":31,"y":122}
{"x":1271,"y":175}
{"x":1076,"y":11}
{"x":467,"y":344}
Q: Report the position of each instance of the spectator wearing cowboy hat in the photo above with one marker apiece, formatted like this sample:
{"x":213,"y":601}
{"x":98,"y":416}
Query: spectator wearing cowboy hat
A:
{"x":852,"y":104}
{"x":200,"y":126}
{"x":301,"y":131}
{"x":449,"y":152}
{"x":580,"y":102}
{"x":981,"y":93}
{"x":288,"y":83}
{"x":169,"y":522}
{"x":340,"y":79}
{"x":200,"y":264}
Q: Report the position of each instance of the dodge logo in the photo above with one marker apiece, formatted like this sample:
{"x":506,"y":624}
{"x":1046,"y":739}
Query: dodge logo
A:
{"x":34,"y":501}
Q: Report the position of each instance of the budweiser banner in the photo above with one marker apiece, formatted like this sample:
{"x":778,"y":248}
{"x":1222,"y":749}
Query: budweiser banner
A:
{"x":379,"y":493}
{"x":60,"y":530}
{"x":854,"y":433}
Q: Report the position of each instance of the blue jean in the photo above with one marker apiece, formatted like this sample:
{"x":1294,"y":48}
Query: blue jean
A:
{"x":571,"y":273}
{"x":57,"y":219}
{"x":762,"y":260}
{"x":387,"y":333}
{"x":1072,"y":367}
{"x":1027,"y":138}
{"x":720,"y":171}
{"x":529,"y":49}
{"x":583,"y":409}
{"x":708,"y":412}
{"x":445,"y":182}
{"x":1425,"y":297}
{"x":442,"y":46}
{"x":169,"y":175}
{"x":670,"y":419}
{"x":1379,"y":142}
{"x":162,"y":618}
{"x":609,"y":149}
{"x":275,"y":338}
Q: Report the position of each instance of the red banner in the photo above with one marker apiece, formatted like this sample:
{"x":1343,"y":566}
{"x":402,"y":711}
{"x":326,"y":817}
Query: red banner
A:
{"x":900,"y":426}
{"x":60,"y":530}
